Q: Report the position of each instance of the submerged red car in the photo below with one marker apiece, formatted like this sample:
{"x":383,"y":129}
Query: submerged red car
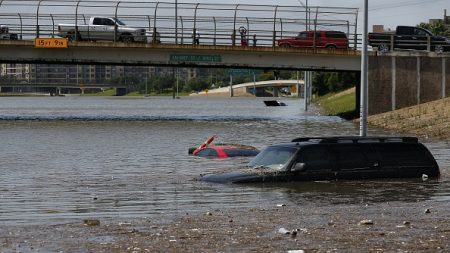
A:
{"x":222,"y":150}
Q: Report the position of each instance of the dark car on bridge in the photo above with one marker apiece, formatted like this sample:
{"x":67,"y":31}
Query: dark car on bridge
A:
{"x":316,"y":39}
{"x":336,"y":158}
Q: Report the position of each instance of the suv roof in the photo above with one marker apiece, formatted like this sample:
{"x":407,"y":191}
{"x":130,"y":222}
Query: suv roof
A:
{"x":356,"y":139}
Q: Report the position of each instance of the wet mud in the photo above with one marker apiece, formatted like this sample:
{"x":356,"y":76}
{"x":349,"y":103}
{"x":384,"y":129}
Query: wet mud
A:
{"x":374,"y":227}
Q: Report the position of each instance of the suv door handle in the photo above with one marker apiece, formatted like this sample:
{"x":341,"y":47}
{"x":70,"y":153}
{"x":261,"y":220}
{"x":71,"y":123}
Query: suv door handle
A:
{"x":376,"y":164}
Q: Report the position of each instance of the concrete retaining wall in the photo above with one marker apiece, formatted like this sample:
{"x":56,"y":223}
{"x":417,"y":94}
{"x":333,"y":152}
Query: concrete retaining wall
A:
{"x":403,"y":79}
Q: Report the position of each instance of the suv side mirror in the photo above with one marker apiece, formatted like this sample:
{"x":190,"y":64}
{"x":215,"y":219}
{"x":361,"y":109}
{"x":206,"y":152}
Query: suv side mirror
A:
{"x":299,"y":167}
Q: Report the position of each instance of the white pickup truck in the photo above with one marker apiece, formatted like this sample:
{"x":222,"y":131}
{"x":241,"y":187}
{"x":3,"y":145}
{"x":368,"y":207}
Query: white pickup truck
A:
{"x":102,"y":28}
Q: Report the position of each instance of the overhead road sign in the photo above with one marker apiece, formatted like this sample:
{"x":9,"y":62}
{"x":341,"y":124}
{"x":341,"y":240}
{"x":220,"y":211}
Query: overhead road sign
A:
{"x":195,"y":58}
{"x":243,"y":72}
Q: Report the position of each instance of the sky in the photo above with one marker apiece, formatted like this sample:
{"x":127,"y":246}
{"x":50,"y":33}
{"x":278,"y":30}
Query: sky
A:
{"x":389,"y":13}
{"x":392,"y":13}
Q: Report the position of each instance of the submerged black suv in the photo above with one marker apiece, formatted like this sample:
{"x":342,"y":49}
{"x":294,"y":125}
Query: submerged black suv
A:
{"x":336,"y":158}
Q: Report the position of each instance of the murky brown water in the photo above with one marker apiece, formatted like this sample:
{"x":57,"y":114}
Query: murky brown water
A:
{"x":65,"y":158}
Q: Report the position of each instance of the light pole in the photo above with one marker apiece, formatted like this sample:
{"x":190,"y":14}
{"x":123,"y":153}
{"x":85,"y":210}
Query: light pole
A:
{"x":364,"y":75}
{"x":176,"y":21}
{"x":306,"y":74}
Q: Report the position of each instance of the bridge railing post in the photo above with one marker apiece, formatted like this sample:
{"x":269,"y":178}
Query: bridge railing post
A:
{"x":274,"y":38}
{"x":21,"y":26}
{"x":391,"y":42}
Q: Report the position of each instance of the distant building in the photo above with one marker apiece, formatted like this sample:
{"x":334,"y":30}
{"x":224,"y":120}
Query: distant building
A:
{"x":378,"y":28}
{"x":445,"y":20}
{"x":84,"y":75}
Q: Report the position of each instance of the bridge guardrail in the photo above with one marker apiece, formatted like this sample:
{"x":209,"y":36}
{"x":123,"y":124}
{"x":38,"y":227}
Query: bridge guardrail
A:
{"x":217,"y":24}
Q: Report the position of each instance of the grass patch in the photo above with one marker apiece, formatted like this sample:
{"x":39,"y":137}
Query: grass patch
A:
{"x":340,"y":104}
{"x":108,"y":92}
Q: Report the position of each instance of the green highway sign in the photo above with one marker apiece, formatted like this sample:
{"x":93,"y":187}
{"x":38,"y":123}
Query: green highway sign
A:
{"x":243,"y":72}
{"x":195,"y":58}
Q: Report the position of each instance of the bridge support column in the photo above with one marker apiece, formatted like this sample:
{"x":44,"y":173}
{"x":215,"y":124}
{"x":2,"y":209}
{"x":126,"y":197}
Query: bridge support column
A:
{"x":275,"y":92}
{"x":418,"y":76}
{"x":358,"y":93}
{"x":54,"y":91}
{"x":394,"y":82}
{"x":121,"y":91}
{"x":231,"y":86}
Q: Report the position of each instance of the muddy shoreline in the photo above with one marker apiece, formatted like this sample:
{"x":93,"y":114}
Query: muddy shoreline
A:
{"x":422,"y":226}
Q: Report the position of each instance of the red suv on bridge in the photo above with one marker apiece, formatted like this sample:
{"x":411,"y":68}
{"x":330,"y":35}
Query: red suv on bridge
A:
{"x":323,"y":39}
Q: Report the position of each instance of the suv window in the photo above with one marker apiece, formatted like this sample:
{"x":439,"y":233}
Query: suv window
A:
{"x":108,"y":22}
{"x":396,"y":154}
{"x":405,"y":30}
{"x":349,"y":156}
{"x":303,"y":35}
{"x":97,"y":21}
{"x":274,"y":157}
{"x":336,"y":35}
{"x":207,"y":152}
{"x":240,"y":152}
{"x":420,"y":32}
{"x":315,"y":158}
{"x":102,"y":21}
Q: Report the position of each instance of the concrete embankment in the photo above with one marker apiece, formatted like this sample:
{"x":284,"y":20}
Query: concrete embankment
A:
{"x":430,"y":119}
{"x":224,"y":92}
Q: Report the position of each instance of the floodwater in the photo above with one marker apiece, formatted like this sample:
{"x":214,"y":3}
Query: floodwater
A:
{"x":116,"y":158}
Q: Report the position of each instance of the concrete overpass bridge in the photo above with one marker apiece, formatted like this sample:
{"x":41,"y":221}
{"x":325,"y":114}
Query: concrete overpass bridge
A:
{"x":254,"y":88}
{"x":182,"y":56}
{"x":231,"y":35}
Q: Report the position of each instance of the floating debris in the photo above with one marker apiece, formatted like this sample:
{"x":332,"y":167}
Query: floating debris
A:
{"x":280,"y":205}
{"x":274,"y":103}
{"x":366,"y":222}
{"x":91,"y":222}
{"x":427,"y":210}
{"x":284,"y":231}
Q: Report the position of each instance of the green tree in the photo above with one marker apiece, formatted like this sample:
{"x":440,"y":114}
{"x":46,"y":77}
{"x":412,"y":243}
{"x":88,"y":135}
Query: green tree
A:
{"x":437,"y":28}
{"x":326,"y":82}
{"x":163,"y":84}
{"x":197,"y":84}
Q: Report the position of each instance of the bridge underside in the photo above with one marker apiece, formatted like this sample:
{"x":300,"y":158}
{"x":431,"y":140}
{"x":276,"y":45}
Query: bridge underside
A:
{"x":182,"y":55}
